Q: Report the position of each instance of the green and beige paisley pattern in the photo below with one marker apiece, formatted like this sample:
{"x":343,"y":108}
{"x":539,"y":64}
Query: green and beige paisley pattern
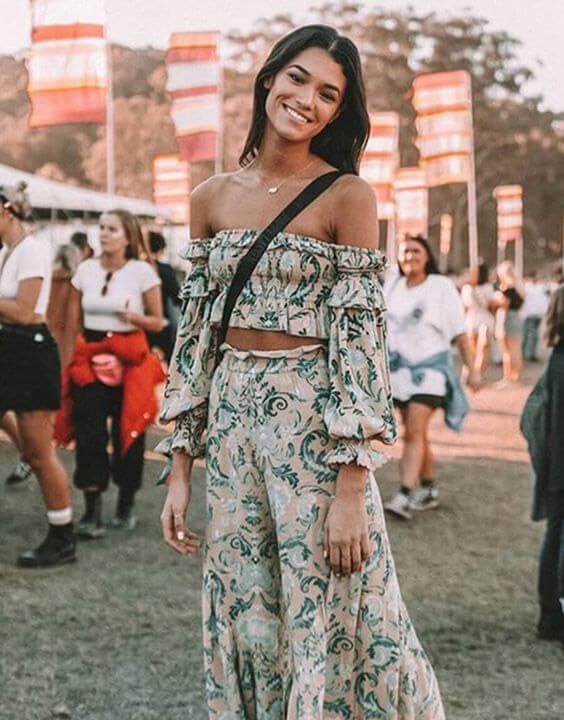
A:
{"x":306,"y":288}
{"x":284,"y":639}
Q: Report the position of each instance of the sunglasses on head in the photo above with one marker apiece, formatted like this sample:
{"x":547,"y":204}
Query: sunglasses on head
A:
{"x":106,"y":282}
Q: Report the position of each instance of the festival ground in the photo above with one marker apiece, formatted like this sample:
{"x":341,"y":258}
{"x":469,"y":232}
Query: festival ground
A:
{"x":117,"y":635}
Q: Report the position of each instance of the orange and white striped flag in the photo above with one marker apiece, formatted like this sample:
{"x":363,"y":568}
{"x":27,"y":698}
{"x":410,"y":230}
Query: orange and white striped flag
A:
{"x":194,"y":77}
{"x":381,"y":159}
{"x":411,"y":197}
{"x":171,"y":185}
{"x":443,"y":103}
{"x":67,"y":66}
{"x":509,"y":212}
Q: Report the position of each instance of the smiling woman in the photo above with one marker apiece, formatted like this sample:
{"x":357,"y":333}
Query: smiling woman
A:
{"x":303,"y":617}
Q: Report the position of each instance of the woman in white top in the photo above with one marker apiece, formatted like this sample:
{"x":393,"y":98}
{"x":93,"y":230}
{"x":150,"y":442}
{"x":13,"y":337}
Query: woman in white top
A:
{"x":30,"y":374}
{"x":478,"y":298}
{"x":425,"y":315}
{"x":116,"y":298}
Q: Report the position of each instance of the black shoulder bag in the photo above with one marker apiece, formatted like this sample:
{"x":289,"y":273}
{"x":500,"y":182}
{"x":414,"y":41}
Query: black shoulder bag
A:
{"x":248,"y":263}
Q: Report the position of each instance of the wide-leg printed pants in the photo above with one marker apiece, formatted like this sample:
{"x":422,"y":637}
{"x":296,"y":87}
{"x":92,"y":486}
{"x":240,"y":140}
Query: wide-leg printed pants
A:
{"x":284,"y":638}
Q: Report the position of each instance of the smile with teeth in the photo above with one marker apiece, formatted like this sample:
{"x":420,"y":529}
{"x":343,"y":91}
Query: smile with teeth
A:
{"x":295,"y":115}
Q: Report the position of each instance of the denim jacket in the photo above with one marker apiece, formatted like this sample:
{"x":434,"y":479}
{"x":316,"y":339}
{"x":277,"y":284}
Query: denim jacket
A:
{"x":457,"y":405}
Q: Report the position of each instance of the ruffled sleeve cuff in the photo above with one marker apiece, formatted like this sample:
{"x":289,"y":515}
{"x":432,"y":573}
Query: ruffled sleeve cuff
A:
{"x":360,"y":453}
{"x":188,"y":437}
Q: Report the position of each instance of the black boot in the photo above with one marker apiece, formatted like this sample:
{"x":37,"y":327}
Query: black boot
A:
{"x":124,"y":518}
{"x":90,"y":525}
{"x":551,"y":626}
{"x":58,"y":548}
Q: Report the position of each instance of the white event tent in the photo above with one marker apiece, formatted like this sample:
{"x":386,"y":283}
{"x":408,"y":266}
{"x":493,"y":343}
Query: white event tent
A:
{"x":57,"y":196}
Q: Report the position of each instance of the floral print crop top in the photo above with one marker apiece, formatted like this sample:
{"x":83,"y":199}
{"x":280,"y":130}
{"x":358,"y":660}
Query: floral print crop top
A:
{"x":304,"y":287}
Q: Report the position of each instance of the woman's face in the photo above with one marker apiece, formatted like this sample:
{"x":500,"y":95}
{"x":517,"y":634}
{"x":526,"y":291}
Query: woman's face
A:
{"x":412,"y":258}
{"x":113,"y":240}
{"x":306,"y":95}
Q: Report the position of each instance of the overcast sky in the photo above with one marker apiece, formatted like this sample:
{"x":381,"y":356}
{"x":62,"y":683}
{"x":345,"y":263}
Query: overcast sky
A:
{"x":537,"y":23}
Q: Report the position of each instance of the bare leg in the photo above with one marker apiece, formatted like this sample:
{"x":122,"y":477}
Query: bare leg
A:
{"x":428,"y":465}
{"x":416,"y":419}
{"x":36,"y":432}
{"x":515,"y":358}
{"x":506,"y":358}
{"x":9,"y":425}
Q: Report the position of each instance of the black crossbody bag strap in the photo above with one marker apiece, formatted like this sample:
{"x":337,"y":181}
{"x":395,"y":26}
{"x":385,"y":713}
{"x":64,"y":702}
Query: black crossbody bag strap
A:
{"x":248,"y":263}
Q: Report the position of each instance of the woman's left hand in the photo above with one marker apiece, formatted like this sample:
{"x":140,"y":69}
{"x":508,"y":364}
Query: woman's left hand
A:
{"x":346,"y":543}
{"x":474,"y":380}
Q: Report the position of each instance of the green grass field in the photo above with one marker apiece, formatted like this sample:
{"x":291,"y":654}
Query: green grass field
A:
{"x":117,"y":635}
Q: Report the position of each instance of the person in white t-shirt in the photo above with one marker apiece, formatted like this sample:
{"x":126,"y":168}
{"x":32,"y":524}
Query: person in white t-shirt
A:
{"x":30,"y":373}
{"x":424,"y":316}
{"x":116,"y":299}
{"x":478,"y":298}
{"x":537,"y":297}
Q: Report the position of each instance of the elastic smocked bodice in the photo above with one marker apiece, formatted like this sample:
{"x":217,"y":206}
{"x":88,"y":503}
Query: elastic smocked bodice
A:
{"x":294,"y":285}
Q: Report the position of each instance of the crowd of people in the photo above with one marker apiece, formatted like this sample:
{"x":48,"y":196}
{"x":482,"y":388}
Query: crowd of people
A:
{"x":294,"y":353}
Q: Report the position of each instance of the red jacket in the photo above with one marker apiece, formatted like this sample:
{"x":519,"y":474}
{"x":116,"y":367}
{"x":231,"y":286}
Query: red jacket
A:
{"x":142,"y":372}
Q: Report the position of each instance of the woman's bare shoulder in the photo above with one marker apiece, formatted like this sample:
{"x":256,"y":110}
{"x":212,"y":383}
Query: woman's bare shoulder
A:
{"x":355,"y":212}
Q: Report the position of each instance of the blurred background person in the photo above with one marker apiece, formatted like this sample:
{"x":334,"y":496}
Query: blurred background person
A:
{"x":30,"y":372}
{"x":477,"y":297}
{"x":67,"y":259}
{"x":164,"y":340}
{"x":425,"y":315}
{"x":115,"y":299}
{"x":508,"y":300}
{"x":542,"y":423}
{"x":80,"y":241}
{"x":22,"y":470}
{"x":535,"y":306}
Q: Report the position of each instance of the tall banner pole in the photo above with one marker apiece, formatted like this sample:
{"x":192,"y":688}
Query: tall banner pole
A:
{"x":220,"y":130}
{"x":110,"y":123}
{"x":519,"y":255}
{"x":471,"y":187}
{"x":391,"y":241}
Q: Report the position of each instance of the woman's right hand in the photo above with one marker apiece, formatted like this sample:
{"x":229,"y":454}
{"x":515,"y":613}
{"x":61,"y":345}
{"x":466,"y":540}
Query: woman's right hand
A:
{"x":173,"y":517}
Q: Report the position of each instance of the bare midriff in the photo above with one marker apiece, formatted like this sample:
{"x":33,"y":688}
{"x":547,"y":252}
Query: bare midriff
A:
{"x":263,"y":340}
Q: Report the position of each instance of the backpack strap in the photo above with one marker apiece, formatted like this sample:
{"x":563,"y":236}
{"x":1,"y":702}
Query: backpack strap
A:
{"x":250,"y":260}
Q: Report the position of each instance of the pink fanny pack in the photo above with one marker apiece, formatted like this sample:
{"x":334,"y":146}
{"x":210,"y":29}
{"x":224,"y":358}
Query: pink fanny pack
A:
{"x":107,"y":369}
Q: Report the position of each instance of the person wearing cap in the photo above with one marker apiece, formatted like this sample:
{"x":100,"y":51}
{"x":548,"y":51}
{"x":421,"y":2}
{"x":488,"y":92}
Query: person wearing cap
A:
{"x":30,"y":372}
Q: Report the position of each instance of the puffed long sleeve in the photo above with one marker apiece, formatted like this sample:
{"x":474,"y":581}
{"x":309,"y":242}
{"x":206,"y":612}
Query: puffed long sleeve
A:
{"x":359,"y":408}
{"x":193,"y":361}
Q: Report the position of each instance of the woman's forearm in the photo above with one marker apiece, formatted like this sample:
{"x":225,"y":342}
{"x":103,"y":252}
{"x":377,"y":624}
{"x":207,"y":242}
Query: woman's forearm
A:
{"x":465,"y":350}
{"x":12,"y":311}
{"x":149,"y":323}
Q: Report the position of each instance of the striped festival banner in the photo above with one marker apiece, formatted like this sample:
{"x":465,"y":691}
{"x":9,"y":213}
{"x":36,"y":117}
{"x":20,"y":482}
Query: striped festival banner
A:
{"x":194,"y":82}
{"x":509,"y":212}
{"x":411,"y":198}
{"x":443,"y":103}
{"x":380,"y":160}
{"x":171,"y":186}
{"x":67,"y":65}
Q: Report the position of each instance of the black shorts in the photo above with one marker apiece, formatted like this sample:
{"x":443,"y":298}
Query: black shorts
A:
{"x":30,"y":369}
{"x":432,"y":401}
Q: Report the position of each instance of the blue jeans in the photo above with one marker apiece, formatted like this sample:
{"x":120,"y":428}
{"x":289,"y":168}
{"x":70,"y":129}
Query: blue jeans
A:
{"x":531,"y":337}
{"x":551,"y":568}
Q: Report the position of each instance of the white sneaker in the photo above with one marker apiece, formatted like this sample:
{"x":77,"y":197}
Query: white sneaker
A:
{"x":424,"y":498}
{"x":399,"y":505}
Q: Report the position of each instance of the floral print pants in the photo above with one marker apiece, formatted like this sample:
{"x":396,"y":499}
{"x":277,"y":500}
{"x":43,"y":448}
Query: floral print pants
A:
{"x":284,"y":638}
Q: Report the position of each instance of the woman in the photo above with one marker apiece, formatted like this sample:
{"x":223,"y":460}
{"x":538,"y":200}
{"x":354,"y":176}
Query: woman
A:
{"x":115,"y":298}
{"x":477,"y":296}
{"x":30,"y":383}
{"x":543,"y":426}
{"x":302,"y":612}
{"x":425,"y":315}
{"x":508,"y":300}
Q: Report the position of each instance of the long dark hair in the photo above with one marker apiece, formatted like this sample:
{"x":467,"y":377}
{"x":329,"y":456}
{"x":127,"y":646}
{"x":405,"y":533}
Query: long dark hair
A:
{"x":431,"y":266}
{"x":341,"y":142}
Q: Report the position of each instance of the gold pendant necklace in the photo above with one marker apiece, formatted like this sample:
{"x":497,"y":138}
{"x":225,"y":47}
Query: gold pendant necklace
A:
{"x":273,"y":189}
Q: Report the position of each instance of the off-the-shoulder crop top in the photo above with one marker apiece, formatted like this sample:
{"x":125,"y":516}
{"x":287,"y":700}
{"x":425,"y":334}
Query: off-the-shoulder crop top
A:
{"x":304,"y":287}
